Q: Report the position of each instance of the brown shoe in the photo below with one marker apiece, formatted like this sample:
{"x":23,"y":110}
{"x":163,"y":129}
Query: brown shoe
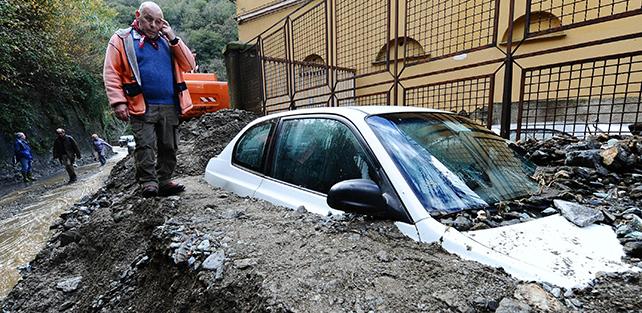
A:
{"x":170,"y":189}
{"x":150,"y":191}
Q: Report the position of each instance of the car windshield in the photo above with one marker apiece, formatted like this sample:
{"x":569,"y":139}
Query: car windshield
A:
{"x":451,"y":163}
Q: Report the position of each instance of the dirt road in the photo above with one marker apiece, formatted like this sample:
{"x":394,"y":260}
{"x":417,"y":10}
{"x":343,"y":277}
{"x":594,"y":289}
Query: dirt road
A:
{"x":27,"y":213}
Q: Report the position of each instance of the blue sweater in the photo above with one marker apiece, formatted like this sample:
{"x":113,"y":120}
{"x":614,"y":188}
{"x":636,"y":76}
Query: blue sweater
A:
{"x":22,"y":150}
{"x":156,"y":72}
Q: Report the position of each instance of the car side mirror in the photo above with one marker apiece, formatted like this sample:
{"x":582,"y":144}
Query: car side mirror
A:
{"x":361,"y":196}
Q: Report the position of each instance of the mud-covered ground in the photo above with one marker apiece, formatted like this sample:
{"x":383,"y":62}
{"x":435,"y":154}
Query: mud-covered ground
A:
{"x":208,"y":250}
{"x":44,"y":168}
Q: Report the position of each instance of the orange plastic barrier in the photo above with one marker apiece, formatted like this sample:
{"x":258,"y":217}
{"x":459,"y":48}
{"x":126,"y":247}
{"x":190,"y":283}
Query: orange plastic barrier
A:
{"x":208,"y":94}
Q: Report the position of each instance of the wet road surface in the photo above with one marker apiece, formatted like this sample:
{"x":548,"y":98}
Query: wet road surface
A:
{"x":23,"y":235}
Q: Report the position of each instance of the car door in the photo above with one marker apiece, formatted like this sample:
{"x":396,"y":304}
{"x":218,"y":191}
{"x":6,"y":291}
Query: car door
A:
{"x":309,"y":155}
{"x":240,"y":169}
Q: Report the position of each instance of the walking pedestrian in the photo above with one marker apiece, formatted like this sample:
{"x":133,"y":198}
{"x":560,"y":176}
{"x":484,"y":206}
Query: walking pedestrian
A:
{"x":66,"y":150}
{"x":22,"y":155}
{"x":143,"y":73}
{"x":99,"y":146}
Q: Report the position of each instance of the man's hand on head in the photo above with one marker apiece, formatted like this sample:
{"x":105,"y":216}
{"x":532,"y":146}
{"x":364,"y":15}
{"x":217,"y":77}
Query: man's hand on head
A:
{"x":168,"y":31}
{"x":121,"y":112}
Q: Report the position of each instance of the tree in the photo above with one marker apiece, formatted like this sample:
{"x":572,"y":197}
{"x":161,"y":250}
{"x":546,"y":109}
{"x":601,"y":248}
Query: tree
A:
{"x":206,"y":26}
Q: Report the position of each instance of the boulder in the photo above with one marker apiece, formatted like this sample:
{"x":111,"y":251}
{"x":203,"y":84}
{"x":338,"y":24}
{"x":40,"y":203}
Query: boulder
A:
{"x":510,"y":305}
{"x":577,"y":213}
{"x":69,"y":284}
{"x":538,"y":298}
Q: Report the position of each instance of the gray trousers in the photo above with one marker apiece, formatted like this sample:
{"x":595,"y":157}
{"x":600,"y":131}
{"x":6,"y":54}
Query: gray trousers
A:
{"x":156,"y":144}
{"x":68,"y":162}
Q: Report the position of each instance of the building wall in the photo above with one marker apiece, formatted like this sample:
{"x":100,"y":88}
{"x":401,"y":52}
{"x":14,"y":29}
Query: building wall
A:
{"x":453,"y":51}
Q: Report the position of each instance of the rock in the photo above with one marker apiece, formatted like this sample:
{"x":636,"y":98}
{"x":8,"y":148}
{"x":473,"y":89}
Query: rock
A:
{"x":636,"y":192}
{"x":383,"y":256}
{"x":549,"y":211}
{"x":84,"y":210}
{"x":462,"y":223}
{"x":481,"y":216}
{"x":486,"y":305}
{"x":71,"y":223}
{"x":574,"y":303}
{"x":509,"y":222}
{"x":68,"y":237}
{"x":204,"y":245}
{"x":245,"y":263}
{"x":182,"y":254}
{"x":510,"y":305}
{"x":66,"y":305}
{"x":524,"y":217}
{"x":633,"y":210}
{"x":635,"y":128}
{"x":70,"y":284}
{"x":633,"y":249}
{"x":635,"y":223}
{"x":24,"y":269}
{"x":121,"y":215}
{"x":556,"y":292}
{"x":103,"y":203}
{"x":577,"y":213}
{"x":58,"y":222}
{"x":539,"y":157}
{"x":585,"y":158}
{"x":142,"y":262}
{"x":214,"y":261}
{"x":634,"y":235}
{"x":609,"y":155}
{"x":537,"y":298}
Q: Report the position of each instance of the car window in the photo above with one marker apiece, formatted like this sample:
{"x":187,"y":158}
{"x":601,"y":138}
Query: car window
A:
{"x":316,"y":153}
{"x":466,"y":166}
{"x":250,"y":150}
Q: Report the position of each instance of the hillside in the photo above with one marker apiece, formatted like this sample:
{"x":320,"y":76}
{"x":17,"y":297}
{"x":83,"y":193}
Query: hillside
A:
{"x":51,"y":71}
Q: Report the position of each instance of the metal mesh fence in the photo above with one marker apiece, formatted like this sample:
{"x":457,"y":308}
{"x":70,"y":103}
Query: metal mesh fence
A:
{"x":362,"y":27}
{"x":341,"y":52}
{"x":563,"y":14}
{"x":364,"y":100}
{"x":471,"y":97}
{"x":275,"y":65}
{"x":445,"y":28}
{"x":309,"y":37}
{"x":583,"y":97}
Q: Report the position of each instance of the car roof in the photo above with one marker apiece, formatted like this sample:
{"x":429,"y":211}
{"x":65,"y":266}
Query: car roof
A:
{"x":351,"y":110}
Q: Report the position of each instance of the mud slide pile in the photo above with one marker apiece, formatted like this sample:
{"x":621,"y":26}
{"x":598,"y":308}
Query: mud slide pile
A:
{"x":211,"y":251}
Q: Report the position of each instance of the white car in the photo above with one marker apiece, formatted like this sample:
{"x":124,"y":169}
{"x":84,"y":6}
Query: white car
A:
{"x":409,"y":164}
{"x":127,"y":141}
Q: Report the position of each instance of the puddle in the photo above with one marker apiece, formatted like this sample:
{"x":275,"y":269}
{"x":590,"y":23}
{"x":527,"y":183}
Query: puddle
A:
{"x":22,"y":236}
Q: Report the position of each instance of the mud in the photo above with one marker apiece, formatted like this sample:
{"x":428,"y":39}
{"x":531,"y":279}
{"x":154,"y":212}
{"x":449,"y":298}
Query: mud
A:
{"x":44,"y":167}
{"x":208,"y":250}
{"x":25,"y":216}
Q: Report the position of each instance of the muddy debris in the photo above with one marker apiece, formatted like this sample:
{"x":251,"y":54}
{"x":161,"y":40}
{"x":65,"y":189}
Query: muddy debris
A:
{"x":208,"y":250}
{"x":205,"y":137}
{"x":594,"y":180}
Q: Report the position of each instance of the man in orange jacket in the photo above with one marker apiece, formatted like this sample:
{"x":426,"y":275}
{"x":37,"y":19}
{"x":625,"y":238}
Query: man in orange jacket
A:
{"x":143,"y":73}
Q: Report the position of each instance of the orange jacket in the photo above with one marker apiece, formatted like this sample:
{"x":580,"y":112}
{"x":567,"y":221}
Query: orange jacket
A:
{"x":122,"y":77}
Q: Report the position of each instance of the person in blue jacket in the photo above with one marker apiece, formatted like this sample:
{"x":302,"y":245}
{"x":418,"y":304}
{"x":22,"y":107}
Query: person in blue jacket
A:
{"x":99,"y":146}
{"x":22,"y":155}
